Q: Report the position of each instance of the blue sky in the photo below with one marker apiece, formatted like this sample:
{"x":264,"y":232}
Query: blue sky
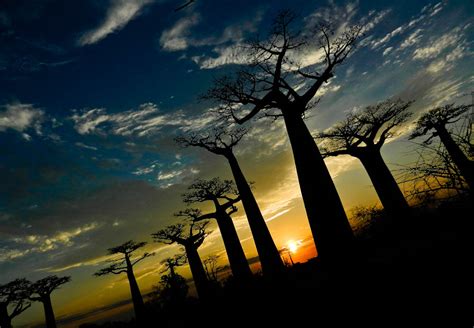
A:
{"x":92,"y":94}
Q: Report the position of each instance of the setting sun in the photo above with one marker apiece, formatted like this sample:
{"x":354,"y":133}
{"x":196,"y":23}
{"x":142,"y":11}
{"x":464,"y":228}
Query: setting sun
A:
{"x":293,"y":246}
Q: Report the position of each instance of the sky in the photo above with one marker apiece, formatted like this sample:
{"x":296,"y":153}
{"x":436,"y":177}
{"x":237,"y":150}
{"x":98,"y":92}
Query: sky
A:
{"x":92,"y":94}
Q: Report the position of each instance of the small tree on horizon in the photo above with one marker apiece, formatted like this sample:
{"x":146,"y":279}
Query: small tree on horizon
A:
{"x":43,"y":289}
{"x":125,"y":264}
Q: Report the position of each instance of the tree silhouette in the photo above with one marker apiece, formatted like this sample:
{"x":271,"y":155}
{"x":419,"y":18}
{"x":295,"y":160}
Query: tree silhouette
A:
{"x":275,"y":85}
{"x":41,"y":291}
{"x":125,"y":264}
{"x":173,"y":289}
{"x":221,"y":142}
{"x":15,"y":295}
{"x":434,"y":123}
{"x":211,"y":267}
{"x":215,"y":190}
{"x":190,"y":236}
{"x":362,"y":135}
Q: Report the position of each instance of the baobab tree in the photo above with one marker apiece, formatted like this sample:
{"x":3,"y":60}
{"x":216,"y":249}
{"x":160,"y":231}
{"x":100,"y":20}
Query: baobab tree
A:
{"x":216,"y":191}
{"x":41,"y":291}
{"x":13,"y":295}
{"x":275,"y":85}
{"x":125,"y":264}
{"x":221,"y":141}
{"x":190,"y":236}
{"x":435,"y":124}
{"x":174,"y":288}
{"x":362,"y":135}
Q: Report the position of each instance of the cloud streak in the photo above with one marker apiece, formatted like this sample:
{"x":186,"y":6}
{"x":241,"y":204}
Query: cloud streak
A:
{"x":118,"y":15}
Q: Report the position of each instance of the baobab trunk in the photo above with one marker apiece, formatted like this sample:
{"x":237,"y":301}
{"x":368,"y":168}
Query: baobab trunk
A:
{"x":48,"y":312}
{"x":328,"y":222}
{"x":384,"y":183}
{"x":267,"y":251}
{"x":198,"y":272}
{"x":465,"y":166}
{"x":137,"y":299}
{"x":237,"y":260}
{"x":5,"y":320}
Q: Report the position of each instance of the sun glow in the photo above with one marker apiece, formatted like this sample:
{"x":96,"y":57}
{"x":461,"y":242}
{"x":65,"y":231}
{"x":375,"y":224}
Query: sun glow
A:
{"x":293,"y":246}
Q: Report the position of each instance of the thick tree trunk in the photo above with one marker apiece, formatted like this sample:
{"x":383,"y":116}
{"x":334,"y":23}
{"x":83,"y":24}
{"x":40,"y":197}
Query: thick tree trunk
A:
{"x":267,"y":251}
{"x":5,"y":320}
{"x":197,"y":270}
{"x":48,"y":312}
{"x":137,"y":299}
{"x":331,"y":230}
{"x":465,"y":166}
{"x":384,"y":183}
{"x":237,"y":260}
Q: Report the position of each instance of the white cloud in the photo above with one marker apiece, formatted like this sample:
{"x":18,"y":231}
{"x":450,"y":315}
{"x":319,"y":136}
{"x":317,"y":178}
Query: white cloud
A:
{"x":438,"y":45}
{"x":145,"y":121}
{"x":21,"y":117}
{"x":179,"y":36}
{"x":387,"y":51}
{"x":82,"y":145}
{"x":234,"y":54}
{"x":412,"y":39}
{"x":176,"y":38}
{"x":118,"y":15}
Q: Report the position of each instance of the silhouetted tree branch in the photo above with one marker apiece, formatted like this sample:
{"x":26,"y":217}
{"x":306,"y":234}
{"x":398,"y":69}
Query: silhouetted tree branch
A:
{"x":43,"y":289}
{"x":362,"y":135}
{"x":224,"y":196}
{"x":190,"y":236}
{"x":14,"y":295}
{"x":435,"y":124}
{"x":125,"y":264}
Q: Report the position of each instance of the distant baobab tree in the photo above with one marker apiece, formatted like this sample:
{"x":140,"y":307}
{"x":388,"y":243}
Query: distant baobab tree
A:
{"x":275,"y":85}
{"x":221,"y":141}
{"x":15,"y":296}
{"x":435,"y":124}
{"x":362,"y":135}
{"x":41,"y":291}
{"x":174,"y":288}
{"x":125,"y":264}
{"x":224,"y":197}
{"x":190,"y":236}
{"x":211,"y":267}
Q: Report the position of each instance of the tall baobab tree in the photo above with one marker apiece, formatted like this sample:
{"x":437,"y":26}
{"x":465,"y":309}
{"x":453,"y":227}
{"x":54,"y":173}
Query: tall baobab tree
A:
{"x":41,"y":291}
{"x":215,"y":191}
{"x":435,"y":124}
{"x":276,"y":85}
{"x":221,"y":142}
{"x":191,"y":237}
{"x":362,"y":135}
{"x":14,"y":295}
{"x":125,"y":264}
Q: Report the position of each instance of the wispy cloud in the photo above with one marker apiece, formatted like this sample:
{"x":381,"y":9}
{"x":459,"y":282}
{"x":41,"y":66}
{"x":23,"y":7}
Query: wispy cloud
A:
{"x":177,"y":37}
{"x":144,"y":121}
{"x":117,"y":17}
{"x":43,"y":243}
{"x":21,"y":117}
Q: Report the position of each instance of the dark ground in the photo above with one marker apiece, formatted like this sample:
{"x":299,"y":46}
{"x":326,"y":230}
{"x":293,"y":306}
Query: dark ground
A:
{"x":415,"y":272}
